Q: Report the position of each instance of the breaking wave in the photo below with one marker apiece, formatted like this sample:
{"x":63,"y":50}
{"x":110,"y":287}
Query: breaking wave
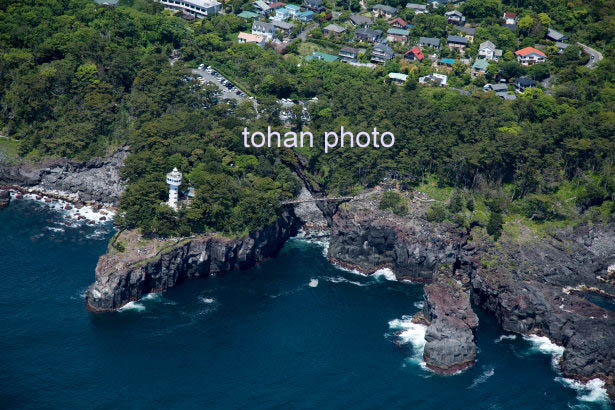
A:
{"x":407,"y":332}
{"x":385,"y":273}
{"x":593,"y":391}
{"x":137,"y":307}
{"x":505,"y":337}
{"x":489,"y":371}
{"x":313,"y":283}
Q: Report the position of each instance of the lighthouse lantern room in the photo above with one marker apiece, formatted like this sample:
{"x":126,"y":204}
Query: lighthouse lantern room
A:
{"x":174,"y":179}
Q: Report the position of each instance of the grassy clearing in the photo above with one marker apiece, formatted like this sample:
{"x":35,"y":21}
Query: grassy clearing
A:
{"x":9,"y":150}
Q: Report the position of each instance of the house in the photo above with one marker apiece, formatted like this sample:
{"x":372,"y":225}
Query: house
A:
{"x":317,"y":55}
{"x":447,"y":62}
{"x":361,"y":21}
{"x":523,"y":83}
{"x":398,"y":22}
{"x":561,"y":46}
{"x":368,"y":35}
{"x":457,"y":42}
{"x":281,"y":14}
{"x":429,"y":42}
{"x":305,"y":16}
{"x":293,"y":10}
{"x":333,"y":30}
{"x":316,"y":6}
{"x":251,"y":38}
{"x":381,"y":10}
{"x":455,"y":17}
{"x":284,"y":27}
{"x":556,"y":36}
{"x":480,"y":67}
{"x":276,"y":5}
{"x":382,"y":53}
{"x":498,"y":88}
{"x":260,"y":28}
{"x":468,"y":32}
{"x":510,"y":18}
{"x":349,"y":54}
{"x":439,"y":80}
{"x":262,"y":8}
{"x":418,"y":8}
{"x":397,"y":34}
{"x":398,"y":78}
{"x":415,"y":54}
{"x":529,"y":56}
{"x":196,"y":8}
{"x":487,"y":51}
{"x":248,"y":15}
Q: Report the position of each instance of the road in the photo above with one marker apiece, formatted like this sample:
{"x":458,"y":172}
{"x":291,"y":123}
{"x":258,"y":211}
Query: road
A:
{"x":597,"y":55}
{"x":303,"y":35}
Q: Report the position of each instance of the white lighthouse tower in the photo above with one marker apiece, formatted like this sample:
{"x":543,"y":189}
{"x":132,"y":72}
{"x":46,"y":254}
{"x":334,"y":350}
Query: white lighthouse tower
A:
{"x":174,"y":179}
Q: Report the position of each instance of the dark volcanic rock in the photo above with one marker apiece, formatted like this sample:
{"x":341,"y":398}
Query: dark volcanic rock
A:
{"x":97,"y":179}
{"x":450,"y":337}
{"x":155,"y":265}
{"x":5,"y":198}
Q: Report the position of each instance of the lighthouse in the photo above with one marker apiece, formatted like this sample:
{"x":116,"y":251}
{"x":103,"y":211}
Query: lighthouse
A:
{"x":174,"y":179}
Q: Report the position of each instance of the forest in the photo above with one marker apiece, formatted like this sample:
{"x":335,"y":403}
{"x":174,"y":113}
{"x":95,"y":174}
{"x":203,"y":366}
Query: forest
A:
{"x":92,"y":78}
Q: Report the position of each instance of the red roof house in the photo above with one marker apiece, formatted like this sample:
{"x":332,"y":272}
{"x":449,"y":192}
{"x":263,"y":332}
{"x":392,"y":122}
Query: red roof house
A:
{"x":277,"y":5}
{"x":414,"y":54}
{"x":530,"y":56}
{"x":398,"y":22}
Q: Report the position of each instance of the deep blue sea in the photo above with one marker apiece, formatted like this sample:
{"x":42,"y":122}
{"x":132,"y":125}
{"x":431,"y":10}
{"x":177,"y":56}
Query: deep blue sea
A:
{"x":294,"y":333}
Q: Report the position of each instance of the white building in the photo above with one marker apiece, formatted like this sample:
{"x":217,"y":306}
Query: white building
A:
{"x":440,"y":80}
{"x":174,"y":179}
{"x":488,"y":51}
{"x":260,"y":28}
{"x":197,"y":8}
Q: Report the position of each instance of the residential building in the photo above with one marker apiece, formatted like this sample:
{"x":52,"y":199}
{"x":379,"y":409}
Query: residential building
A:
{"x":277,"y":5}
{"x":316,"y":6}
{"x":439,"y":80}
{"x":266,"y":30}
{"x":368,"y":35}
{"x":510,"y":18}
{"x":251,"y":38}
{"x":349,"y":54}
{"x":415,"y":54}
{"x":281,"y":14}
{"x":284,"y":27}
{"x":361,"y":21}
{"x":523,"y":83}
{"x":418,"y":8}
{"x":480,"y":67}
{"x":293,"y":10}
{"x":487,"y":51}
{"x":196,"y":8}
{"x":530,"y":56}
{"x":398,"y":22}
{"x":455,"y":17}
{"x":398,"y":78}
{"x":562,"y":46}
{"x":457,"y":42}
{"x":262,"y":8}
{"x":398,"y":35}
{"x":384,"y":11}
{"x":429,"y":42}
{"x":305,"y":16}
{"x":317,"y":55}
{"x":381,"y":53}
{"x":556,"y":36}
{"x":248,"y":15}
{"x":333,"y":30}
{"x":498,"y":88}
{"x":469,"y":33}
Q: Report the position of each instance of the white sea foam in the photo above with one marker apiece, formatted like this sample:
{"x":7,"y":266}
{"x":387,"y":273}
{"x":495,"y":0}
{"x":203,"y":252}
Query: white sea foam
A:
{"x":419,"y":305}
{"x":543,"y":344}
{"x":407,"y":332}
{"x":487,"y":373}
{"x":154,"y":296}
{"x":340,"y":279}
{"x":51,"y":228}
{"x":88,"y":214}
{"x":592,"y":391}
{"x":132,"y":306}
{"x":505,"y":337}
{"x":207,"y":301}
{"x":385,"y":273}
{"x":313,"y":283}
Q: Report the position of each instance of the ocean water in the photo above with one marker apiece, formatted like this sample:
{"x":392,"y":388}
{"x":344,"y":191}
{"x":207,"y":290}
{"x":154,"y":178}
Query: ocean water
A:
{"x":293,"y":333}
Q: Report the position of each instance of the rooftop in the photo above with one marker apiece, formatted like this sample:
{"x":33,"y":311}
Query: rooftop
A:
{"x":529,"y":50}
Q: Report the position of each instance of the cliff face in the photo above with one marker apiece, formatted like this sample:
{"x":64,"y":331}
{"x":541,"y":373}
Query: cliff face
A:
{"x":532,"y":284}
{"x":95,"y":180}
{"x":156,"y":265}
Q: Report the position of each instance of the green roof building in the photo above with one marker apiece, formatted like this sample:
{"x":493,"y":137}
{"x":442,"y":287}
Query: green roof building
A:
{"x":248,"y":15}
{"x":317,"y":55}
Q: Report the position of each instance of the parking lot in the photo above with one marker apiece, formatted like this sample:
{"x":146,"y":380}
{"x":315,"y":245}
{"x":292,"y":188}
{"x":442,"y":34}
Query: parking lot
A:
{"x":227,"y":89}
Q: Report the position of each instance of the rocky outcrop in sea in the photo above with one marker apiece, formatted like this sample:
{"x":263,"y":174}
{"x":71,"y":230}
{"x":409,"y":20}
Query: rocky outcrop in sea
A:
{"x":95,"y":180}
{"x":533,"y":284}
{"x":136,"y":266}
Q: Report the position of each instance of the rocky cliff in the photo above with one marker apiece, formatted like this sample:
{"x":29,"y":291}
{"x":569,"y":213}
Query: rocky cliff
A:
{"x":95,"y":180}
{"x":134,"y":266}
{"x":532,"y":283}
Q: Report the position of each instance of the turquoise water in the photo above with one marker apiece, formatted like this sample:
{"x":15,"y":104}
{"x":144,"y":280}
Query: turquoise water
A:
{"x":293,"y":333}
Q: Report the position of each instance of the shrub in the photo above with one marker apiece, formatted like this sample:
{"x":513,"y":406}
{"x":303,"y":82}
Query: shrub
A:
{"x":437,"y":213}
{"x":395,"y":202}
{"x":494,"y":226}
